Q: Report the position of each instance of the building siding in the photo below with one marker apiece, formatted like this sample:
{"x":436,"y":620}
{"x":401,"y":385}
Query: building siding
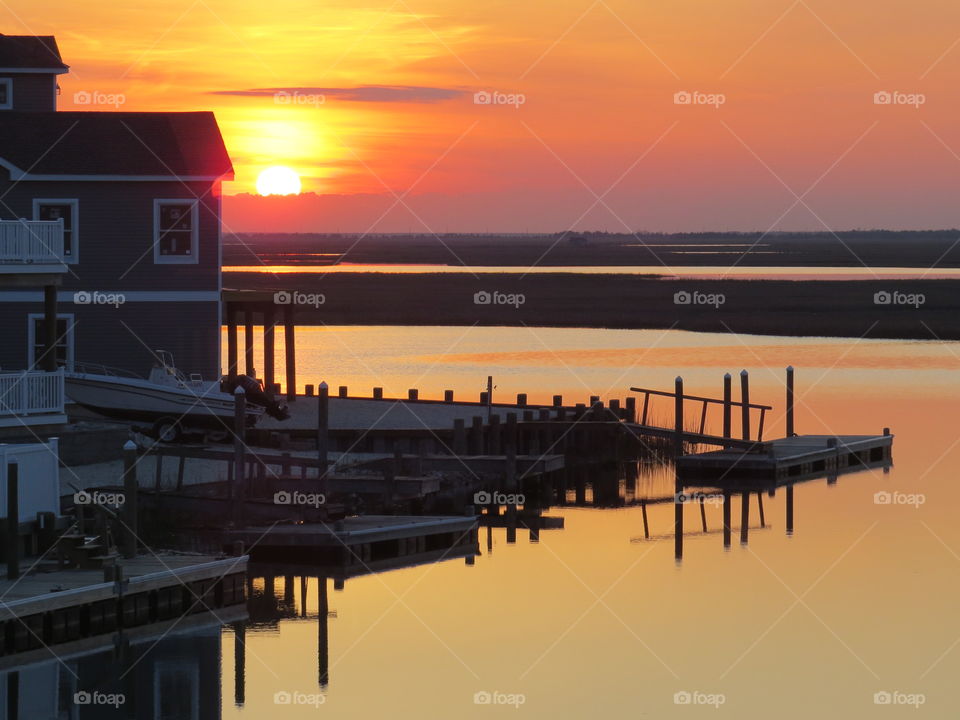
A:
{"x":125,"y":336}
{"x":33,"y":93}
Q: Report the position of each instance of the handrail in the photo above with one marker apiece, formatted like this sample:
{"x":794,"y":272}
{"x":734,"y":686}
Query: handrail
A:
{"x":98,"y":369}
{"x":647,"y":392}
{"x":698,"y":398}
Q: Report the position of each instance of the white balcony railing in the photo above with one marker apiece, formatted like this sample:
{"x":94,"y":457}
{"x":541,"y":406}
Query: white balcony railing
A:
{"x":31,"y":242}
{"x":27,"y":393}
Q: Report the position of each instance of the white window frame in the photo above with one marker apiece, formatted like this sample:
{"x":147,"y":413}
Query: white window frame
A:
{"x":74,"y":258}
{"x":8,"y":82}
{"x":32,"y":338}
{"x":192,"y":258}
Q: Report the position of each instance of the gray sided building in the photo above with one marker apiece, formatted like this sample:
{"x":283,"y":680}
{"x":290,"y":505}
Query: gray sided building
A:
{"x":138,"y":195}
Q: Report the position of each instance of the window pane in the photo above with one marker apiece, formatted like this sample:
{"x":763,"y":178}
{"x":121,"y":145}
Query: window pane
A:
{"x":62,"y":340}
{"x":176,"y":242}
{"x":175,"y":217}
{"x":3,"y":93}
{"x":57,"y":211}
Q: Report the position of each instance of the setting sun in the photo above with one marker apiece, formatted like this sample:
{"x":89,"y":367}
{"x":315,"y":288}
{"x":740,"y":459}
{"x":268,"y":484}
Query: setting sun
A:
{"x":278,"y":180}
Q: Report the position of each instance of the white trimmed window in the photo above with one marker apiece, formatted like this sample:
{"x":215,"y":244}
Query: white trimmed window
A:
{"x":6,"y":93}
{"x":36,"y":335}
{"x":69,"y":212}
{"x":175,"y":231}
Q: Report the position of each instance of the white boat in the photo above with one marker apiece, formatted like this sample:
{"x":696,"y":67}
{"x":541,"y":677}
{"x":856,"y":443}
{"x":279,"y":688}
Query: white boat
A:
{"x":167,"y":398}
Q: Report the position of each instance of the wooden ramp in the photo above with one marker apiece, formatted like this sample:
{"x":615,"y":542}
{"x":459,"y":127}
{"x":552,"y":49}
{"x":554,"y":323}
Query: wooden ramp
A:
{"x":787,"y":459}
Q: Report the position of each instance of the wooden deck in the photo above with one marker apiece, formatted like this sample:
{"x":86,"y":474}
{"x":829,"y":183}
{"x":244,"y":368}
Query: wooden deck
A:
{"x":787,"y":459}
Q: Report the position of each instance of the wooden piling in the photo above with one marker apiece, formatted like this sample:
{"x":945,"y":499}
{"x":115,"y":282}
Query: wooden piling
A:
{"x":678,"y":417}
{"x":790,"y":432}
{"x":745,"y":407}
{"x":323,"y":433}
{"x":343,"y":391}
{"x":521,"y":399}
{"x":448,"y":396}
{"x":727,"y":406}
{"x":763,"y":522}
{"x":703,"y":513}
{"x":378,"y":393}
{"x":493,"y":436}
{"x":130,"y":488}
{"x":678,"y":486}
{"x":476,"y":436}
{"x":413,"y":394}
{"x":308,"y":389}
{"x":631,"y":407}
{"x":510,"y":451}
{"x":459,"y":437}
{"x":789,"y":509}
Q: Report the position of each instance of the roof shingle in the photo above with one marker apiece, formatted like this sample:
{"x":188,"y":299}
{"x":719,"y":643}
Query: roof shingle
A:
{"x":29,"y":51}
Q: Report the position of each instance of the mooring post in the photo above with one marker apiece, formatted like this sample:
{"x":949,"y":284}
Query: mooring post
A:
{"x":678,"y":486}
{"x":269,"y":346}
{"x":727,"y":501}
{"x":744,"y":517}
{"x":323,"y":432}
{"x":678,"y":417}
{"x":631,"y":404}
{"x":790,"y":432}
{"x":238,"y":491}
{"x":448,"y":396}
{"x":489,"y":395}
{"x":789,"y":506}
{"x":727,"y":407}
{"x":130,"y":499}
{"x":745,"y":403}
{"x":13,"y":520}
{"x":378,"y":393}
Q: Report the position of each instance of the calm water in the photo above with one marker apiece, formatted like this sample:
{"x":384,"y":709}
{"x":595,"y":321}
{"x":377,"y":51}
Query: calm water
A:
{"x":704,"y":272}
{"x":594,"y":622}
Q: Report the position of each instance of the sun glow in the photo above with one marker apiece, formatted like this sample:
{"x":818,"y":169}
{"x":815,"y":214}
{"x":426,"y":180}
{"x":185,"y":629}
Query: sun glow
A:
{"x":278,"y":180}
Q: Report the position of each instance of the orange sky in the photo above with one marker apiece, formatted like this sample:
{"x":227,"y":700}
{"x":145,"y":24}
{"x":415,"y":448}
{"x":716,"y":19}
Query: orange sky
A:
{"x":598,"y":78}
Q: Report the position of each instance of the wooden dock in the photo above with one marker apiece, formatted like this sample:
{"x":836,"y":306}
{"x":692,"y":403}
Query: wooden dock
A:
{"x":48,"y":608}
{"x":787,"y":459}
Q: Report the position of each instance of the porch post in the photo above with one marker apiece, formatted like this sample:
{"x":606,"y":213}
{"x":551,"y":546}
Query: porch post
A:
{"x":269,"y":326}
{"x":231,"y":340}
{"x":48,"y":361}
{"x":248,"y":340}
{"x":290,"y":352}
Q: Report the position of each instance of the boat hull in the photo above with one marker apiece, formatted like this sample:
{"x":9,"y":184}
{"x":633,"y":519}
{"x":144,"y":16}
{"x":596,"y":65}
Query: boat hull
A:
{"x":134,"y":399}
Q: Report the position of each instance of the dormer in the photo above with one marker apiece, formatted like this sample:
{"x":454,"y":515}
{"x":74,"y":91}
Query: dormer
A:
{"x":29,"y":66}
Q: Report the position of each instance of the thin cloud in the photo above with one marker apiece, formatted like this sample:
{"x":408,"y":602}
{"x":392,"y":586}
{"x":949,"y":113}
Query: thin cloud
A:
{"x":363,"y":93}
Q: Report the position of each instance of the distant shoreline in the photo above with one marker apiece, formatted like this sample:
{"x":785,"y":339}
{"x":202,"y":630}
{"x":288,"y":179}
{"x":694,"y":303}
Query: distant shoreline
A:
{"x":908,"y":309}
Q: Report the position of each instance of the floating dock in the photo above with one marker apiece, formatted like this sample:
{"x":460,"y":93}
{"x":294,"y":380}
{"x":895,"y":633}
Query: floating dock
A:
{"x":787,"y":459}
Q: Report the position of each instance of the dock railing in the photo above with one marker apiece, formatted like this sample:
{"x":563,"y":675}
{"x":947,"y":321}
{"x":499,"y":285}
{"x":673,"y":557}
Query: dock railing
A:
{"x":727,"y":404}
{"x":31,"y":393}
{"x":27,"y":242}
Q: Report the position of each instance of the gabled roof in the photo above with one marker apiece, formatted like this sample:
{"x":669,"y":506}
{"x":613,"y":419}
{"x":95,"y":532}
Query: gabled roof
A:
{"x":30,"y":52}
{"x":144,"y":145}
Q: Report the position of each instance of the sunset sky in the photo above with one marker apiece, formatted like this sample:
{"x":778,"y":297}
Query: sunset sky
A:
{"x":598,"y":78}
